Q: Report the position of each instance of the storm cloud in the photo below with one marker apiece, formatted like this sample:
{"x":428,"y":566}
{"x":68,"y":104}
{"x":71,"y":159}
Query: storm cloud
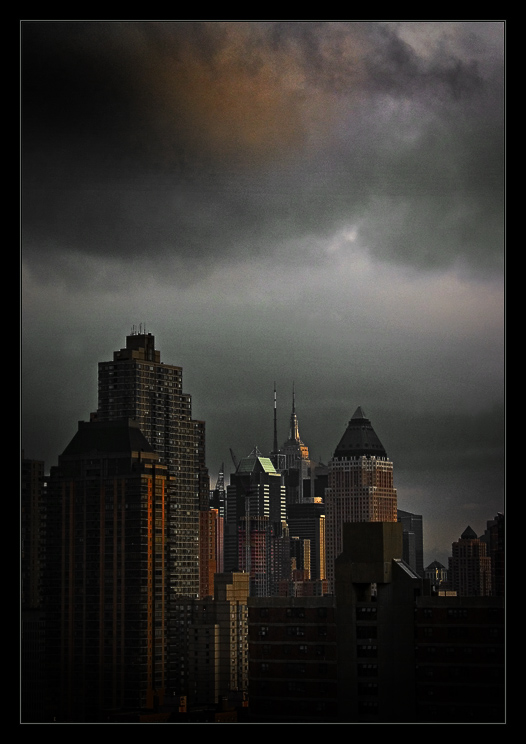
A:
{"x":319,"y":202}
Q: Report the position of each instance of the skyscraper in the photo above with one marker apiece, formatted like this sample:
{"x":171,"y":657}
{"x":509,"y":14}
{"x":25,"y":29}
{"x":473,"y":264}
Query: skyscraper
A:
{"x":470,"y":566}
{"x":138,"y":386}
{"x":255,"y":517}
{"x":107,"y":573}
{"x":295,"y":455}
{"x":307,"y":522}
{"x":360,"y":485}
{"x":413,"y":540}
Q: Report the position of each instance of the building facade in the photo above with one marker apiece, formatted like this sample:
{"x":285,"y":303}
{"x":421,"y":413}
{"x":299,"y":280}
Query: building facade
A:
{"x":107,"y":573}
{"x":494,"y":537}
{"x":380,"y":650}
{"x":436,"y":575}
{"x":470,"y":566}
{"x":293,"y":660}
{"x":460,"y":659}
{"x":375,"y":596}
{"x":295,"y":458}
{"x":306,"y":521}
{"x":256,"y":538}
{"x":211,"y":643}
{"x":413,"y":540}
{"x":360,"y":485}
{"x":136,"y":385}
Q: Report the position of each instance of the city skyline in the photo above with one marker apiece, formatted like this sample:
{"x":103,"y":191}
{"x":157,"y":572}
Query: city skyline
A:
{"x":317,"y":204}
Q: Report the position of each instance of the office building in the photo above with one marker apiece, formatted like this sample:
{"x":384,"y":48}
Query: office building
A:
{"x":470,"y":566}
{"x":307,"y":521}
{"x":218,"y":494}
{"x":295,"y":454}
{"x":107,"y":574}
{"x":413,"y":540}
{"x":360,"y":485}
{"x":255,"y":523}
{"x":137,"y":385}
{"x":494,"y":537}
{"x":436,"y":575}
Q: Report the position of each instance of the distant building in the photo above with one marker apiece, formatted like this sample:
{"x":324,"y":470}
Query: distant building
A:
{"x":307,"y":521}
{"x":360,"y":485}
{"x":494,"y":537}
{"x":470,"y":566}
{"x":413,"y":540}
{"x":256,"y":535}
{"x":437,"y":576}
{"x":218,"y":494}
{"x":297,"y":460}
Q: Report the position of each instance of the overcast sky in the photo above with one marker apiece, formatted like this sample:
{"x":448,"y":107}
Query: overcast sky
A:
{"x":309,"y":203}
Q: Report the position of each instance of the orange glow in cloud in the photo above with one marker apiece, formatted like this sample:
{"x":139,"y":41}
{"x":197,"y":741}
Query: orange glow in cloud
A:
{"x":245,"y":99}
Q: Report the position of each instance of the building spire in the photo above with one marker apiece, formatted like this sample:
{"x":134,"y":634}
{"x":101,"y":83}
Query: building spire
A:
{"x":294,"y":433}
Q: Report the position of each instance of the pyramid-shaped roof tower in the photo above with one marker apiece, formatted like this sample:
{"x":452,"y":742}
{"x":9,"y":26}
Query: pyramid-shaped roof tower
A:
{"x":360,"y":438}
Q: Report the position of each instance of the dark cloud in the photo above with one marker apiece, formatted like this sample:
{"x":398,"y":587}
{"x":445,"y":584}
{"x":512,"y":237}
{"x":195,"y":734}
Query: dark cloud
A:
{"x":311,"y":201}
{"x":144,"y":134}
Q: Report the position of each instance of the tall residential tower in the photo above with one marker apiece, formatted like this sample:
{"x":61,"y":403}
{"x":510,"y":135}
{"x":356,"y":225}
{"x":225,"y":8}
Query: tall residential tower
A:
{"x":107,"y":573}
{"x":137,"y":385}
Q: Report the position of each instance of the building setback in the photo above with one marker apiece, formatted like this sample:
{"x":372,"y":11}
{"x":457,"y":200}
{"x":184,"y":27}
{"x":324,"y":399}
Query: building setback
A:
{"x":138,"y":386}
